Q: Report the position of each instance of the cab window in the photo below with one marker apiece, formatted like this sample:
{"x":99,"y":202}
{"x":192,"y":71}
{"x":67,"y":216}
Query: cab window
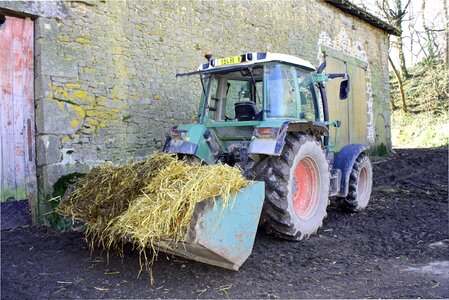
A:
{"x":281,"y":95}
{"x":307,"y":95}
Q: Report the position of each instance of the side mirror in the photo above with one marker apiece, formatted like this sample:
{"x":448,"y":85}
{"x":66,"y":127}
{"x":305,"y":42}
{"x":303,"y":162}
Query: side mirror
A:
{"x":344,"y":89}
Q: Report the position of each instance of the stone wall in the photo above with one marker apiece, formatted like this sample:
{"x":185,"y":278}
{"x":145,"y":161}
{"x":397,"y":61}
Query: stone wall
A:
{"x":105,"y":83}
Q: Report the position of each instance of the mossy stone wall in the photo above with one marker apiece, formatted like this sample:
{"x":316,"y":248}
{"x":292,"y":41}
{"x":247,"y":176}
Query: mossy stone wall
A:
{"x":105,"y":85}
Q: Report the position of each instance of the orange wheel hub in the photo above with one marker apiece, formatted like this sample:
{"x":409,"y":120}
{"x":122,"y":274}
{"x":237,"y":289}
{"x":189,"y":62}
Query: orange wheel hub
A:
{"x":306,"y":188}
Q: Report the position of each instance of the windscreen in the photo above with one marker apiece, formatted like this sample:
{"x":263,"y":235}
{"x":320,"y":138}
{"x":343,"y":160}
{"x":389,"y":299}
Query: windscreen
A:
{"x":290,"y":92}
{"x":228,"y":92}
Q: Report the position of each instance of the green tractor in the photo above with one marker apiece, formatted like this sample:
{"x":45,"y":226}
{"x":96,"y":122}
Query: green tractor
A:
{"x":268,"y":114}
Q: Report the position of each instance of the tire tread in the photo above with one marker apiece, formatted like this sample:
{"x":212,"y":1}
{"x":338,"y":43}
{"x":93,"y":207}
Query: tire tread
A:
{"x":275,"y":174}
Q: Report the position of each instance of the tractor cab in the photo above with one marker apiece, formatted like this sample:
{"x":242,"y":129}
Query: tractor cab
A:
{"x":248,"y":105}
{"x":267,"y":86}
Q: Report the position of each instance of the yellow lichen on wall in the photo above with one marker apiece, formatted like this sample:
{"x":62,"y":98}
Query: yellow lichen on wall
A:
{"x":65,"y":139}
{"x":90,"y":111}
{"x":82,"y":40}
{"x":80,"y":112}
{"x":97,"y":97}
{"x":74,"y":123}
{"x":118,"y":39}
{"x":64,"y":38}
{"x":72,"y":85}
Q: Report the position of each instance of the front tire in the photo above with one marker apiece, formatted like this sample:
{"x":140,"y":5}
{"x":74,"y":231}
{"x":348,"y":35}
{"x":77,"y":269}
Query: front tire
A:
{"x":296,"y":189}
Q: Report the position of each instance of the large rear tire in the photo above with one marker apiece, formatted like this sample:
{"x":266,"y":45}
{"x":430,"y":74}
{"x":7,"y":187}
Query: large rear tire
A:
{"x":296,"y":188}
{"x":360,"y":184}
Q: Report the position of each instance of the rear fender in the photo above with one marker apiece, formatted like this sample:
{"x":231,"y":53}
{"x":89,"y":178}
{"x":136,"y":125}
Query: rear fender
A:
{"x":275,"y":146}
{"x":345,"y":161}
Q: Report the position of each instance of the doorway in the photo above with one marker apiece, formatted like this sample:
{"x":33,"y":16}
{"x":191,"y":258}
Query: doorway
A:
{"x":18,"y":188}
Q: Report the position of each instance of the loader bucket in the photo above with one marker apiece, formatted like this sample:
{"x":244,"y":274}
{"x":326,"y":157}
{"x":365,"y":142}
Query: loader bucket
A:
{"x":222,"y":237}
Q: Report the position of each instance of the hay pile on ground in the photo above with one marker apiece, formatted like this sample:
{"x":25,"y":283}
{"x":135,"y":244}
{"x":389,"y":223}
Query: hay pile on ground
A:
{"x":146,"y":201}
{"x":106,"y":191}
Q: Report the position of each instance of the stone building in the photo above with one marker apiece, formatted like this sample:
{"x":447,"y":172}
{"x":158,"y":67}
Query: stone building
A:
{"x":102,"y":84}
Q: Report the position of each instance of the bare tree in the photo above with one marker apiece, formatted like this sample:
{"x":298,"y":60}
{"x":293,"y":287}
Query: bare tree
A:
{"x":446,"y":28}
{"x":431,"y":40}
{"x":401,"y":86}
{"x":412,"y":33}
{"x":428,"y":32}
{"x":395,"y":12}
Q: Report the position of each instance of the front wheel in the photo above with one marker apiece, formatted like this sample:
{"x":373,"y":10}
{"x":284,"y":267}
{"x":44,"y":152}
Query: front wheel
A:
{"x":296,"y":189}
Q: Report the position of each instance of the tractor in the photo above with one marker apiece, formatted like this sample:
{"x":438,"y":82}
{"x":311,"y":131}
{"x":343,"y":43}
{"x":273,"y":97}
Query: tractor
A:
{"x":268,"y":114}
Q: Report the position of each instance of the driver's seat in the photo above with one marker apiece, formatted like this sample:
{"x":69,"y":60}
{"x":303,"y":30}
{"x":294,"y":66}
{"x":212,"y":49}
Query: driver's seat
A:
{"x":245,"y":110}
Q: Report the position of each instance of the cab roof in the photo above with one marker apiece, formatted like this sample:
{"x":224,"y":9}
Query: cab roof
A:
{"x":251,"y":58}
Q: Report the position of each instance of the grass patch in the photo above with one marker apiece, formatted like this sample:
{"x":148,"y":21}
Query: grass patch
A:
{"x":423,"y":130}
{"x":426,"y":122}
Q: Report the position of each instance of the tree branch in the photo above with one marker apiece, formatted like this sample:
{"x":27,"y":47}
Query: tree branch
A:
{"x":401,"y":86}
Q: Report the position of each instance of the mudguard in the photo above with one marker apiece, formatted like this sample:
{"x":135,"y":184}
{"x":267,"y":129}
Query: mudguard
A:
{"x":275,"y":146}
{"x":344,"y":161}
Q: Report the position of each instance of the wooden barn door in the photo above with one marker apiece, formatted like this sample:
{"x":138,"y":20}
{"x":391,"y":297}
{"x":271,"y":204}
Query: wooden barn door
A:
{"x":357,"y":105}
{"x":351,"y":112}
{"x":17,"y":131}
{"x":338,"y":109}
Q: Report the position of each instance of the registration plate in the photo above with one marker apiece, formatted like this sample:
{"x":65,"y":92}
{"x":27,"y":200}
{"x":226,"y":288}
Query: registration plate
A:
{"x":229,"y":60}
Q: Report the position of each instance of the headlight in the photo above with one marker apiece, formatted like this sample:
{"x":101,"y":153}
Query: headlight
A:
{"x":177,"y":133}
{"x":266,"y":132}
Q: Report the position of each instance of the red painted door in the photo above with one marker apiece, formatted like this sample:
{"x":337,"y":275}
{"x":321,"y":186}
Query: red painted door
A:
{"x":17,"y":131}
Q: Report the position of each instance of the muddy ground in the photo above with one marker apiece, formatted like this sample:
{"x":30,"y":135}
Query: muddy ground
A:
{"x":397,"y":248}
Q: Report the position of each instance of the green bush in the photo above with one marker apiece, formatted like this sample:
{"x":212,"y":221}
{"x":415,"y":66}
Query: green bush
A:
{"x":59,"y":189}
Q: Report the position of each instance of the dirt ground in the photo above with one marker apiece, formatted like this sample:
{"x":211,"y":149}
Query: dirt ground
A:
{"x":397,"y":248}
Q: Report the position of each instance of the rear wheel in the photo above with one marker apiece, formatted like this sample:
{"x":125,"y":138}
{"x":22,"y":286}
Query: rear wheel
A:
{"x":360,"y":184}
{"x":296,"y":189}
